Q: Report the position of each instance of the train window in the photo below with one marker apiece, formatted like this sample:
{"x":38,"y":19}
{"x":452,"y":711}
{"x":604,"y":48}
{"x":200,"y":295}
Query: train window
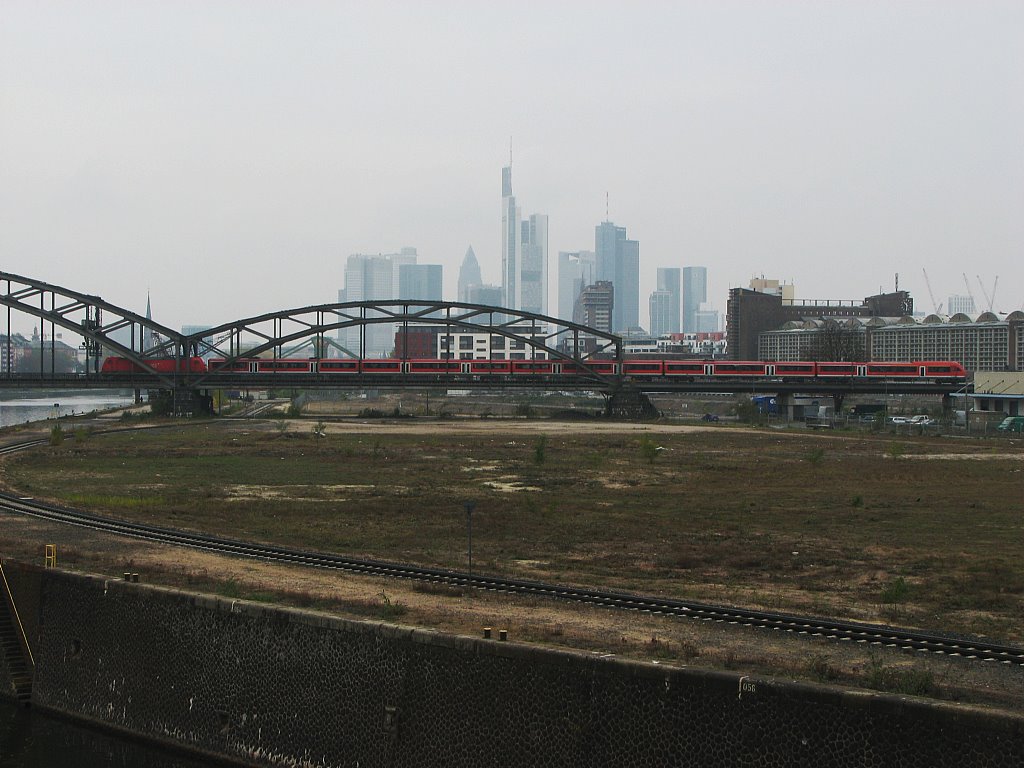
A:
{"x":738,"y":368}
{"x":687,"y":368}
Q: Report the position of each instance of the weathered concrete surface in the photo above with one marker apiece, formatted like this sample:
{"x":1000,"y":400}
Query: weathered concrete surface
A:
{"x":281,"y":687}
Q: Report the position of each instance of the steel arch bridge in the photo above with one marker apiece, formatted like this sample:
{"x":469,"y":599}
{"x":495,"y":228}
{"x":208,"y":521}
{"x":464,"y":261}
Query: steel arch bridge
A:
{"x":310,"y":332}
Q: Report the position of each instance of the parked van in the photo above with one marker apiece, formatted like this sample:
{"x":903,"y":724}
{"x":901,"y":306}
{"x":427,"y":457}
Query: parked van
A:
{"x":1012,"y":424}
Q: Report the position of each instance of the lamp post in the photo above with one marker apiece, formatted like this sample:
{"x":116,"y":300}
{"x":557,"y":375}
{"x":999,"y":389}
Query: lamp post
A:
{"x":470,"y":506}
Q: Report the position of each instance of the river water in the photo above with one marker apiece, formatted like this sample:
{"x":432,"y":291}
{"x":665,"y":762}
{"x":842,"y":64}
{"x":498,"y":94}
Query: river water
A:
{"x":17,"y":408}
{"x":30,"y":739}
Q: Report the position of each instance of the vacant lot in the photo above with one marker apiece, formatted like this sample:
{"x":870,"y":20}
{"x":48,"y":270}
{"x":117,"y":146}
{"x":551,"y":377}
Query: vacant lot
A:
{"x":917,"y":531}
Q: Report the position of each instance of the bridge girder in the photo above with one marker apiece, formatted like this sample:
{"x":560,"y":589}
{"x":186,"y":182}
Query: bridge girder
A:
{"x":314,"y":323}
{"x":95,"y":320}
{"x":84,"y":315}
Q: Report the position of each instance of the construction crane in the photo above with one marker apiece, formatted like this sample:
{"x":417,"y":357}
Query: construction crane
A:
{"x":969,"y":291}
{"x":989,"y":297}
{"x":927,"y":282}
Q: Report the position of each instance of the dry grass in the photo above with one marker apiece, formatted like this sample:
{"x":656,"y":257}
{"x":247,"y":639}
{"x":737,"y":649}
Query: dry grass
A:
{"x":809,"y":523}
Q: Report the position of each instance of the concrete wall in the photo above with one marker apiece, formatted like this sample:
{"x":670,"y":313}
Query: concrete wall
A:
{"x":280,"y":687}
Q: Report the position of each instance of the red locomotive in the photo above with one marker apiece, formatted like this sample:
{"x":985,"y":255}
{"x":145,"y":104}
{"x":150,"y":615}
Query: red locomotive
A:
{"x":159,"y":364}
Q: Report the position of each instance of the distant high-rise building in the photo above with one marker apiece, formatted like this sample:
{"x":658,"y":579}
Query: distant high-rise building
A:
{"x":668,"y":280}
{"x":488,"y":295}
{"x":404,"y":257}
{"x":420,"y":281}
{"x":964,"y":304}
{"x":524,"y":253}
{"x":595,"y":306}
{"x":618,"y":262}
{"x":695,"y":293}
{"x":533,"y":282}
{"x":576,"y":270}
{"x":370,"y":278}
{"x":661,"y":314}
{"x":707,"y":321}
{"x":511,"y":232}
{"x":469,"y":274}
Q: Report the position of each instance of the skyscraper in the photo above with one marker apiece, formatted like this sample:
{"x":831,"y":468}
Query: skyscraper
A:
{"x":511,"y":233}
{"x":524,"y":253}
{"x":469,"y":274}
{"x":489,"y":295}
{"x":695,"y":292}
{"x":404,"y":257}
{"x":668,"y":280}
{"x":661,"y":313}
{"x":618,"y":262}
{"x":595,"y":305}
{"x":420,"y":281}
{"x":369,"y":278}
{"x":576,"y":270}
{"x":533,"y":283}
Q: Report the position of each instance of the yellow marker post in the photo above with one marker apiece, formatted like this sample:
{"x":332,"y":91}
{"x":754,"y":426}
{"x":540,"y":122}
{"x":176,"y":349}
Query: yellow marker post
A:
{"x":51,"y":556}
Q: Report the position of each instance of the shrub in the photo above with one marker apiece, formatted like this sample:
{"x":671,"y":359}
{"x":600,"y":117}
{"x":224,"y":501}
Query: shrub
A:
{"x":56,"y":435}
{"x":539,"y":449}
{"x":895,"y":592}
{"x":648,"y":449}
{"x":816,"y":456}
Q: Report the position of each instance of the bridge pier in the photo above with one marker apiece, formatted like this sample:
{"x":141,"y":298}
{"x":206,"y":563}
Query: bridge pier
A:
{"x":784,"y":402}
{"x":630,"y":403}
{"x":837,"y":402}
{"x":180,"y":403}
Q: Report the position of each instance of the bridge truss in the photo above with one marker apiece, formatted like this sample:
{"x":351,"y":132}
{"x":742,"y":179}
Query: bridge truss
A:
{"x":312,"y":332}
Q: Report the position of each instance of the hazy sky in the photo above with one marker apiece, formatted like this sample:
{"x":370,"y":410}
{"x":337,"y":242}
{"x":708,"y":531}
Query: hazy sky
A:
{"x":228,"y":156}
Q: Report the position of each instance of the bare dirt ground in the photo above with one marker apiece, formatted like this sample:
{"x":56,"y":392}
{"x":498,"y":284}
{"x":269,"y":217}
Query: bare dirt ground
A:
{"x":592,"y":630}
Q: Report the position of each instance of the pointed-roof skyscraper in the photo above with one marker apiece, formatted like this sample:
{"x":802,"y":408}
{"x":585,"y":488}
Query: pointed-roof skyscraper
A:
{"x":149,"y":335}
{"x":469,"y":274}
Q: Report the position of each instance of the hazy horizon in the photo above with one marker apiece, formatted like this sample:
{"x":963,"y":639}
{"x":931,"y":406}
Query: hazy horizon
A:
{"x":227,"y":157}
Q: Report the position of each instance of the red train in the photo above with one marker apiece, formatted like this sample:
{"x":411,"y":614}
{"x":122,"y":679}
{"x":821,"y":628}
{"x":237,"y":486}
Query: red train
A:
{"x":159,"y":364}
{"x":636,"y":368}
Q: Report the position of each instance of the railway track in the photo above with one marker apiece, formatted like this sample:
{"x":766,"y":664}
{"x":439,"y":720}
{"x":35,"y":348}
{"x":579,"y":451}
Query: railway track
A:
{"x":855,"y":633}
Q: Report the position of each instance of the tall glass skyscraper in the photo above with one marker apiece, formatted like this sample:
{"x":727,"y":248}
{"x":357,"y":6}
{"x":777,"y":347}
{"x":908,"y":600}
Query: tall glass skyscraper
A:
{"x":618,"y":261}
{"x":668,"y":281}
{"x":695,"y":293}
{"x":420,"y":281}
{"x":524,"y":253}
{"x":469,"y":274}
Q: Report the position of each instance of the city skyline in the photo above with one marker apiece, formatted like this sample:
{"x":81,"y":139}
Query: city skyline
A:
{"x":171,"y":149}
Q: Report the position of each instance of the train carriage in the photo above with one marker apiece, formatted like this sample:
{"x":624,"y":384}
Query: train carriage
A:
{"x":342,"y":365}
